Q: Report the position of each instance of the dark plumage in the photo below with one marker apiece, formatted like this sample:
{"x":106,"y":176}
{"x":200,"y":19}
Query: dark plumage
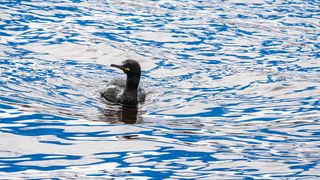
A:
{"x":126,"y":92}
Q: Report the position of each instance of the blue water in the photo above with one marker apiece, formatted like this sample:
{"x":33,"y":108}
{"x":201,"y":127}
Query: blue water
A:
{"x":233,"y":89}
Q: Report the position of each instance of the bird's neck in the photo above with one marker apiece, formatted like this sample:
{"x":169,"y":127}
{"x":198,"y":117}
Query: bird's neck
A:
{"x":130,"y":95}
{"x":132,"y":83}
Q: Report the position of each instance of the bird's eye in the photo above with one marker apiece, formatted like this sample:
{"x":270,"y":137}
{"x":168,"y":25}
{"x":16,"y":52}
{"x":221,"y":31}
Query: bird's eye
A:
{"x":126,"y":69}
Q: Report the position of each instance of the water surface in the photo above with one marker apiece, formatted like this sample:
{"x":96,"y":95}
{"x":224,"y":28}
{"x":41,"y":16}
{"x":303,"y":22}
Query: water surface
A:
{"x":232,"y":89}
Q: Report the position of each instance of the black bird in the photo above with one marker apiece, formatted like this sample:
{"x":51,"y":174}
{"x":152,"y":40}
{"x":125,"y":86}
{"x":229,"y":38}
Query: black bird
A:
{"x":125,"y":92}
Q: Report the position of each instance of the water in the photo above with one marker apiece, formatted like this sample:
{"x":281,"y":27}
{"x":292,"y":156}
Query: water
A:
{"x":232,"y":89}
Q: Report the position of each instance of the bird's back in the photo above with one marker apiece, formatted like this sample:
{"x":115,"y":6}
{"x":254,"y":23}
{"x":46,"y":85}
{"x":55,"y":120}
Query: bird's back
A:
{"x":114,"y":90}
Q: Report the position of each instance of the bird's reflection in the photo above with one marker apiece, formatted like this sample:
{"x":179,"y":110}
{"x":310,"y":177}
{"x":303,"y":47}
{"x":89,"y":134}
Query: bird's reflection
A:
{"x":129,"y":114}
{"x":125,"y":114}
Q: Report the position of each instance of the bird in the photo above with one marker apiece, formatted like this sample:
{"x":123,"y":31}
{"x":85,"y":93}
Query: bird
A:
{"x":125,"y":91}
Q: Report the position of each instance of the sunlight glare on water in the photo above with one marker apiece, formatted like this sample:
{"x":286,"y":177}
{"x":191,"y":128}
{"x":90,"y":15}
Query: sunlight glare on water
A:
{"x":232,"y":89}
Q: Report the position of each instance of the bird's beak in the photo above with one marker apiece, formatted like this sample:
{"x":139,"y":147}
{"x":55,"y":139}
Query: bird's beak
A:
{"x":124,"y":69}
{"x":117,"y":66}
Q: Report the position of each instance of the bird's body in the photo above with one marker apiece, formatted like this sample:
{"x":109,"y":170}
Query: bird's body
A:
{"x":125,"y":91}
{"x":115,"y":89}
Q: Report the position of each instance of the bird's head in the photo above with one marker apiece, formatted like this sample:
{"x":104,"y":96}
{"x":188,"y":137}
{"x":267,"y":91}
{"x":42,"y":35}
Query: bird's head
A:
{"x":129,"y":66}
